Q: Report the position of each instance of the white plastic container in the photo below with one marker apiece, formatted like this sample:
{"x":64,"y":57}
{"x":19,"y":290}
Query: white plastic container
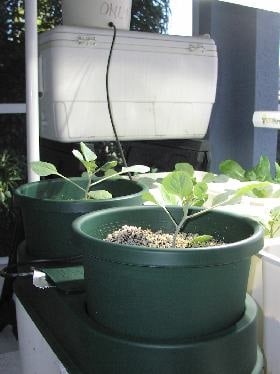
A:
{"x":271,"y":304}
{"x":161,"y":86}
{"x":97,"y":13}
{"x":36,"y":355}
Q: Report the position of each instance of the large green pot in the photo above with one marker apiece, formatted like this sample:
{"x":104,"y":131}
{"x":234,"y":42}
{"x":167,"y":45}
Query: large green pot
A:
{"x":166,"y":293}
{"x":49,"y":207}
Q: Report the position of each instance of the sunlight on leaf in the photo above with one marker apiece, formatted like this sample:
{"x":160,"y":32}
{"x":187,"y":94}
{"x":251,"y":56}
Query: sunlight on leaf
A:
{"x":43,"y":169}
{"x":224,"y":198}
{"x":277,"y":173}
{"x":167,"y":198}
{"x":111,"y":173}
{"x":200,"y":189}
{"x":178,"y":183}
{"x":88,"y":154}
{"x":149,"y":197}
{"x":232,"y":169}
{"x":78,"y":155}
{"x":208,"y":178}
{"x":136,"y":169}
{"x":262,"y":169}
{"x":201,"y":239}
{"x":108,"y":165}
{"x":99,"y":195}
{"x":147,"y":182}
{"x":186,"y":167}
{"x":249,"y":188}
{"x":276,"y":194}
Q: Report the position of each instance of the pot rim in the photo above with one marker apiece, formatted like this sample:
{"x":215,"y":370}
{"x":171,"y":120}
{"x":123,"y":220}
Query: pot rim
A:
{"x":144,"y":256}
{"x":21,"y":196}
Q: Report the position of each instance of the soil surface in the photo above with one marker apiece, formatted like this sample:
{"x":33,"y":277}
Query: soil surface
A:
{"x":133,"y":235}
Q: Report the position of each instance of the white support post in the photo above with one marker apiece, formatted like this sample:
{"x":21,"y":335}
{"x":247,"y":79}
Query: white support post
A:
{"x":31,"y":70}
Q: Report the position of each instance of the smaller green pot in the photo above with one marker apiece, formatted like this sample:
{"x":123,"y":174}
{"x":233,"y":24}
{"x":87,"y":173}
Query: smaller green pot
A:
{"x":49,"y":207}
{"x":166,"y":293}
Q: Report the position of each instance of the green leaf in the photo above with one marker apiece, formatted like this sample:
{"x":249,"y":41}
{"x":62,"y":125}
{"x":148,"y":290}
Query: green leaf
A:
{"x":221,"y":178}
{"x":277,"y":173}
{"x":200,"y":189}
{"x":200,"y":194}
{"x":43,"y":169}
{"x":198,"y":202}
{"x":261,"y":172}
{"x":168,"y":199}
{"x":263,"y":191}
{"x":161,"y":199}
{"x":99,"y":195}
{"x":110,"y":173}
{"x":2,"y":196}
{"x":136,"y":169}
{"x":276,"y":194}
{"x":186,"y":167}
{"x":88,"y":154}
{"x":232,"y":169}
{"x":250,"y":175}
{"x":275,"y":212}
{"x":78,"y":155}
{"x":109,"y":165}
{"x":201,"y":239}
{"x":8,"y":194}
{"x":147,"y":182}
{"x":262,"y":169}
{"x":273,"y":224}
{"x":224,"y":197}
{"x":149,"y":197}
{"x":208,"y":178}
{"x":90,"y":166}
{"x":249,"y":188}
{"x":179,"y":184}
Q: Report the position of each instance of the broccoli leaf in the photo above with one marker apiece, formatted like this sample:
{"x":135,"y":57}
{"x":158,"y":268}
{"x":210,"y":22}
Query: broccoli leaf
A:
{"x":232,"y":169}
{"x":43,"y":169}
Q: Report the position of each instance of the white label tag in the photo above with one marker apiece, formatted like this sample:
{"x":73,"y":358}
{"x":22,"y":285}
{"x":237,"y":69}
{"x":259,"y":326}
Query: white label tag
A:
{"x":39,"y":279}
{"x":270,"y":120}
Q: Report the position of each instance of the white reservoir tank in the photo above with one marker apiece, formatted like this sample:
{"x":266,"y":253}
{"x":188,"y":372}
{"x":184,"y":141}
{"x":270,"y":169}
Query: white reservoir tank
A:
{"x":161,"y":86}
{"x":96,"y":13}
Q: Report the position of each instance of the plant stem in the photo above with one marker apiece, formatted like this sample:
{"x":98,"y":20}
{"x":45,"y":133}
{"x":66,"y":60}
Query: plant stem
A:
{"x":170,"y":216}
{"x":108,"y":177}
{"x":271,"y":234}
{"x":187,"y":218}
{"x":273,"y":229}
{"x":178,"y":228}
{"x":88,"y":185}
{"x":203,"y":211}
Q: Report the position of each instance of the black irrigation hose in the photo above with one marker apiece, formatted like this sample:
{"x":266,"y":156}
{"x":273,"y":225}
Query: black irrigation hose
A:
{"x":110,"y":24}
{"x":10,"y":271}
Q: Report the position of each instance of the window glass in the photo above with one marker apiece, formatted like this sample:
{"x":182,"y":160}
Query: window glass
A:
{"x":180,"y":19}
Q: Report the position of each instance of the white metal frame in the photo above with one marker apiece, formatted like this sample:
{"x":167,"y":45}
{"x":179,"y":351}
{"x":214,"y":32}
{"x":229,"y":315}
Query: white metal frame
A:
{"x":31,"y":71}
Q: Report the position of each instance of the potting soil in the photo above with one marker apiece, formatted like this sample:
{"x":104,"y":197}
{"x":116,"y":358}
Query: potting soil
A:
{"x":133,"y":235}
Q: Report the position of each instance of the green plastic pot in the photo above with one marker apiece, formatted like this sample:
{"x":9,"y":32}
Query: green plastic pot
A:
{"x":85,"y":347}
{"x":166,"y":293}
{"x":49,"y":207}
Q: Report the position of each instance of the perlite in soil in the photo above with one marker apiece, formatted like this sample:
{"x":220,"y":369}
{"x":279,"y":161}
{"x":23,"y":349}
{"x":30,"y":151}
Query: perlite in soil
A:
{"x":133,"y":235}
